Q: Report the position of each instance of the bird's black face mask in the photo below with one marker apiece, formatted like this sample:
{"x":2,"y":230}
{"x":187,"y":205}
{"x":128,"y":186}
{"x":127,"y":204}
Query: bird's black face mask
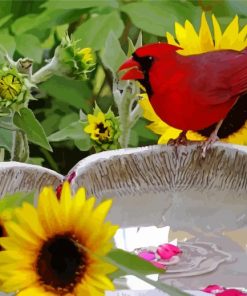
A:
{"x":145,"y":64}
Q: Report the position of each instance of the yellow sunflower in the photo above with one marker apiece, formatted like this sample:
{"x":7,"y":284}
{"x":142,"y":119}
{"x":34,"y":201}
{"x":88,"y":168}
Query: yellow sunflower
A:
{"x":56,"y":248}
{"x":98,"y":127}
{"x":192,"y":42}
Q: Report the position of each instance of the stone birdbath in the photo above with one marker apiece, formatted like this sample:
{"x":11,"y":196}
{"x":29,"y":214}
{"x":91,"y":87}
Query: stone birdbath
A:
{"x":204,"y":201}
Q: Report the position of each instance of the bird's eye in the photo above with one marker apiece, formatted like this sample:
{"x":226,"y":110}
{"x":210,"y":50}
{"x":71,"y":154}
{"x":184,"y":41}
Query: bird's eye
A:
{"x":150,"y":58}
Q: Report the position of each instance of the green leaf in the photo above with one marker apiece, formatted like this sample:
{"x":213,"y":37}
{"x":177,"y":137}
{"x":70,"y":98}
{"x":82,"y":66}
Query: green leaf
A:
{"x":112,"y":55}
{"x":68,"y":119}
{"x":133,"y":265}
{"x":33,"y":50}
{"x":94,"y":31}
{"x":73,"y":131}
{"x":139,"y":42}
{"x":143,"y":132}
{"x":24,"y":23}
{"x":36,"y":160}
{"x":131,"y":47}
{"x":6,"y":8}
{"x":81,"y":4}
{"x":133,"y":262}
{"x":161,"y":15}
{"x":84,"y":144}
{"x":14,"y":200}
{"x":7,"y":42}
{"x":5,"y":19}
{"x":47,"y":19}
{"x":71,"y":92}
{"x":6,"y":139}
{"x":26,"y":121}
{"x":134,"y":139}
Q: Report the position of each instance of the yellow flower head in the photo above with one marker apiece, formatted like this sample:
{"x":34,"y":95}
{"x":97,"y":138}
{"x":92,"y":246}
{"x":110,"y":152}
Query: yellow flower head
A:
{"x":10,"y":87}
{"x":86,"y":56}
{"x":56,"y":249}
{"x":14,"y":90}
{"x":99,"y":128}
{"x":73,"y":61}
{"x":192,"y":42}
{"x":103,"y":129}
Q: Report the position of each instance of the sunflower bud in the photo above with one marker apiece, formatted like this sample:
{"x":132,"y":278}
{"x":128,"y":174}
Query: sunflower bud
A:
{"x":103,"y":129}
{"x":74,"y":62}
{"x":14,"y":90}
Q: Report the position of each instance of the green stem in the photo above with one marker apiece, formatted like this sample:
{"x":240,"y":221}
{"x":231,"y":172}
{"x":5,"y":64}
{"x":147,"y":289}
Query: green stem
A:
{"x":45,"y":72}
{"x":8,"y":126}
{"x":125,"y":100}
{"x":20,"y":148}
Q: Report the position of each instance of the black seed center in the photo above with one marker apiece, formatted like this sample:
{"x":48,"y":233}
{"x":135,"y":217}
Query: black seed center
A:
{"x":2,"y":234}
{"x":101,"y":128}
{"x":61,"y":262}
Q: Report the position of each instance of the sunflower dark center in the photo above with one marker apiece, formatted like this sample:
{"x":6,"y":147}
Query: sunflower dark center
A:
{"x":61,"y":263}
{"x":2,"y":233}
{"x":101,"y":128}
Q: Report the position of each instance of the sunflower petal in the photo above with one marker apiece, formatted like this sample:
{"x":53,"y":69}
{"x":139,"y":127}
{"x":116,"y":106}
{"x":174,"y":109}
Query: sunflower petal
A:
{"x":192,"y":37}
{"x":26,"y":214}
{"x":35,"y":291}
{"x":20,"y":234}
{"x":49,"y":211}
{"x":65,"y":204}
{"x":101,"y":267}
{"x":205,"y":36}
{"x":85,"y":289}
{"x":100,"y":281}
{"x":171,"y":40}
{"x":230,"y":34}
{"x":217,"y":32}
{"x":148,"y":111}
{"x":180,"y":35}
{"x":77,"y":205}
{"x":18,"y":281}
{"x":86,"y":211}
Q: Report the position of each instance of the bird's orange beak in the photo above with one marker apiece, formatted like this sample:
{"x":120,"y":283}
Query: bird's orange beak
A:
{"x":134,"y":72}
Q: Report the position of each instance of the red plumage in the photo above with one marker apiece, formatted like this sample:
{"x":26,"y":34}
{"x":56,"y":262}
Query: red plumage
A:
{"x":189,"y":92}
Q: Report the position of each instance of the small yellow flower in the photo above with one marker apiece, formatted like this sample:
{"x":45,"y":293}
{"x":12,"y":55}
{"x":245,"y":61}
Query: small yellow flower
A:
{"x":103,"y":129}
{"x":87,"y":56}
{"x":14,"y":90}
{"x":10,"y":87}
{"x":192,"y":42}
{"x":59,"y":252}
{"x":99,"y":128}
{"x":73,"y":62}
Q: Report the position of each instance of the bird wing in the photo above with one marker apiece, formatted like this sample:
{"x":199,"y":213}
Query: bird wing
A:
{"x":219,"y":75}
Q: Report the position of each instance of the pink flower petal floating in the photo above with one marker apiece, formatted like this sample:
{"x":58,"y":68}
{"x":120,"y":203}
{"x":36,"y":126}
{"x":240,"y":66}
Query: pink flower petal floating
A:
{"x":167,"y":251}
{"x":231,"y":292}
{"x":221,"y":291}
{"x":158,"y":265}
{"x":213,"y":289}
{"x":147,"y":255}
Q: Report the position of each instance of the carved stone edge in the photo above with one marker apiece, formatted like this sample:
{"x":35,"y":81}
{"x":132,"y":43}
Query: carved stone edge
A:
{"x":160,"y":167}
{"x":15,"y":176}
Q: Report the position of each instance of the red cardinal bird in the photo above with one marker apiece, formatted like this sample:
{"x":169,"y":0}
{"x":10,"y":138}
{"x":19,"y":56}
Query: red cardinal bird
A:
{"x":190,"y":92}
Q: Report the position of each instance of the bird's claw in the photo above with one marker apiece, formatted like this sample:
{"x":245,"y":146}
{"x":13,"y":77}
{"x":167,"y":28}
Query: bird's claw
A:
{"x":206,"y":145}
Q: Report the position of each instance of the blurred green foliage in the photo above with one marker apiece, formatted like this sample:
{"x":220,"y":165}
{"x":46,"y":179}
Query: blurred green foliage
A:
{"x":33,"y":28}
